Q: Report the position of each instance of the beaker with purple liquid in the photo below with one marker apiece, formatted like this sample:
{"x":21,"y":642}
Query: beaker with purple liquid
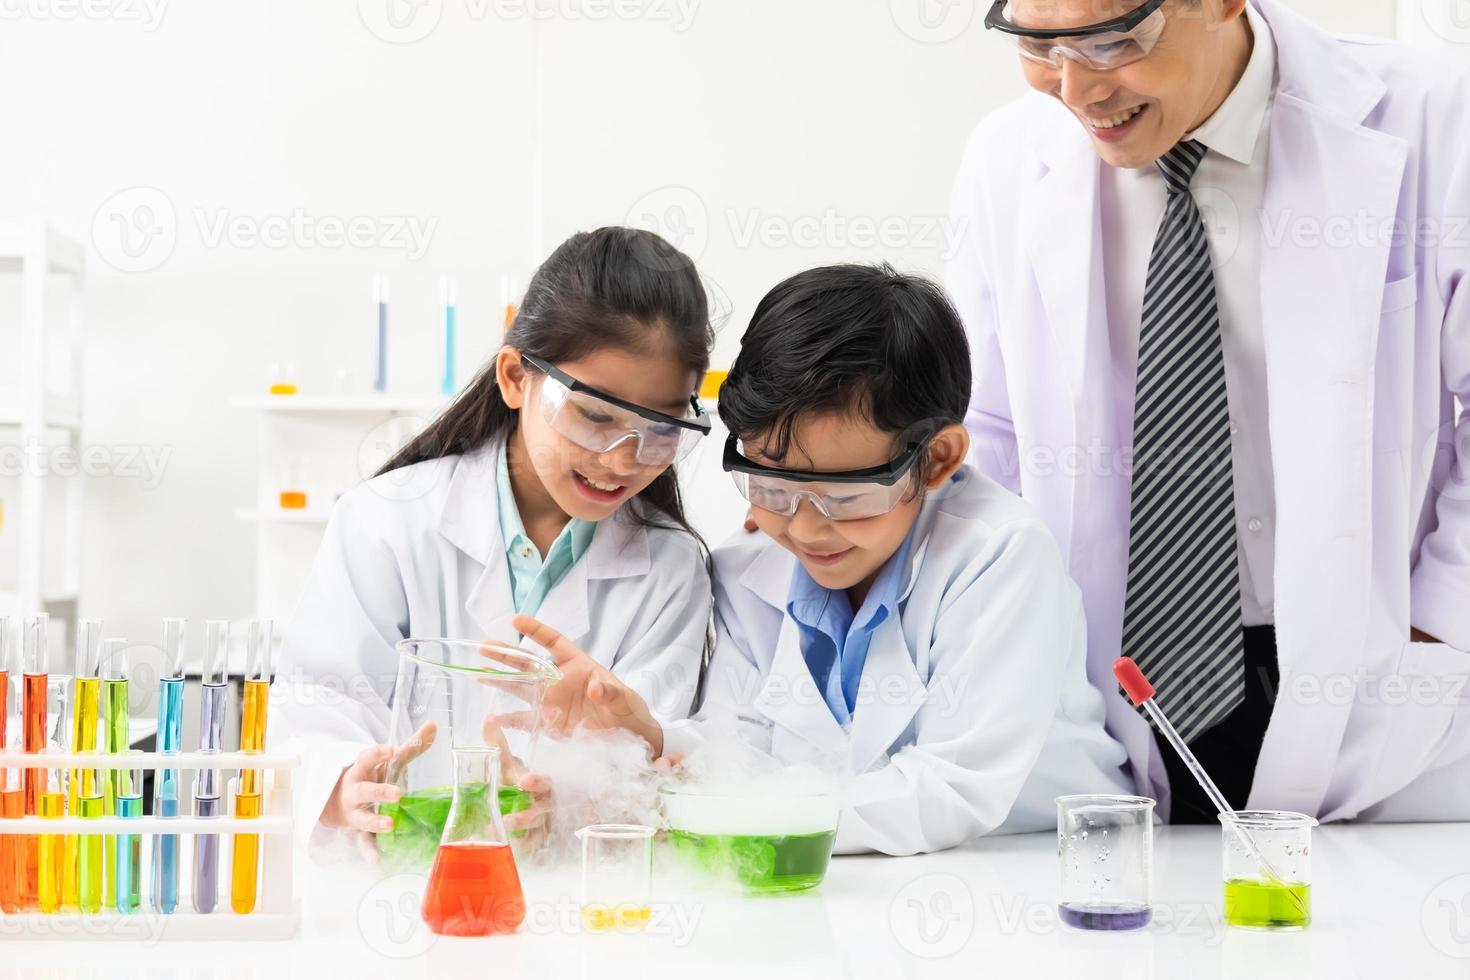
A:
{"x":1105,"y":845}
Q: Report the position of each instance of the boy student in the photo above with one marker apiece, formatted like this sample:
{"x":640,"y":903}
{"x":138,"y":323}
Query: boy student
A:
{"x":901,"y":616}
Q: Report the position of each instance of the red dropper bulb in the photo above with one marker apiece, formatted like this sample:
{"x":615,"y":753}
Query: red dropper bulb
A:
{"x":1135,"y":685}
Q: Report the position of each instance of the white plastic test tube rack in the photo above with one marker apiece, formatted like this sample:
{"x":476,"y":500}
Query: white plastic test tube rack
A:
{"x":277,"y":908}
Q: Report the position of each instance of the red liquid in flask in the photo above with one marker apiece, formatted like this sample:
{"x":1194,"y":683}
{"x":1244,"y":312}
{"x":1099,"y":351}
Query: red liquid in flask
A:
{"x":474,"y":890}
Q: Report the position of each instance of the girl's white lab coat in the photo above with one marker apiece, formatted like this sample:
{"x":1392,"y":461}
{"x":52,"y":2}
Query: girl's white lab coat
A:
{"x":418,"y":552}
{"x":1366,"y":307}
{"x":974,"y":708}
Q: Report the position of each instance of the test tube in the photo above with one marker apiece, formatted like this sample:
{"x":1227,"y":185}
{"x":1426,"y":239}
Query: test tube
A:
{"x":49,"y":863}
{"x":114,"y":742}
{"x":127,"y":868}
{"x":33,"y":739}
{"x":12,"y":793}
{"x":380,"y":347}
{"x":86,"y":717}
{"x":12,"y":846}
{"x":246,"y":863}
{"x":90,"y":850}
{"x":164,"y":886}
{"x":212,"y":695}
{"x":447,"y":305}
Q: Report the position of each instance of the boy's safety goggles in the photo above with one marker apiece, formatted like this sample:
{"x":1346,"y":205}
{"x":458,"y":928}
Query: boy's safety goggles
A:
{"x":599,"y":422}
{"x":848,"y":496}
{"x":1109,"y":44}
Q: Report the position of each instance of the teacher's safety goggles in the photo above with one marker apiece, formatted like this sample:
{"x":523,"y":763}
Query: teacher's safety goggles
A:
{"x":847,"y":496}
{"x":1110,"y":44}
{"x":599,"y":422}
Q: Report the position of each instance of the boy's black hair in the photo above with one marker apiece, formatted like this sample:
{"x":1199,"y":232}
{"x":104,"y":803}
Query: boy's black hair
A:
{"x":861,"y":339}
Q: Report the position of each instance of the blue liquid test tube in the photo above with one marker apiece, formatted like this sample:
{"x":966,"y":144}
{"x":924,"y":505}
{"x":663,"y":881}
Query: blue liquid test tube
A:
{"x":447,"y":301}
{"x":163,"y":889}
{"x":213,"y":693}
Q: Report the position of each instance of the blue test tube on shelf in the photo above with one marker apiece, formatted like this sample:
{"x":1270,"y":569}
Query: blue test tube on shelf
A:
{"x":163,"y":889}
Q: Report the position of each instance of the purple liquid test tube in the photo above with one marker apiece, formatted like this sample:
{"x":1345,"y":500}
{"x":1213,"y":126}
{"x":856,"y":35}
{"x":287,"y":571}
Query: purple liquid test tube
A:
{"x":213,"y":692}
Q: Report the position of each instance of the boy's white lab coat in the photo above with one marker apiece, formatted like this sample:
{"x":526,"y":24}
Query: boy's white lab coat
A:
{"x":1366,"y":316}
{"x":418,"y":552}
{"x":974,"y":710}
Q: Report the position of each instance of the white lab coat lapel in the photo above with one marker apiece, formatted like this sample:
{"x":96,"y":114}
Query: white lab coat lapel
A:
{"x":897,"y":691}
{"x":619,"y":549}
{"x":1320,"y":306}
{"x":470,"y":521}
{"x":789,"y":696}
{"x":1062,"y":239}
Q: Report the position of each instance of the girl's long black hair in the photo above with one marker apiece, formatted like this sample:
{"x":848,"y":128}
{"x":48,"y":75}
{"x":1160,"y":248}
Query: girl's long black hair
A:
{"x":613,"y":287}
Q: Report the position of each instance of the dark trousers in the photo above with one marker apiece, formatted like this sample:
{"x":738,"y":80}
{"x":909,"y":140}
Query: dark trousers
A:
{"x":1229,"y":750}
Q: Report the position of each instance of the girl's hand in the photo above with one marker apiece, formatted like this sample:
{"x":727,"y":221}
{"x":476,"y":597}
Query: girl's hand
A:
{"x":588,"y":694}
{"x":535,"y":820}
{"x":361,"y":786}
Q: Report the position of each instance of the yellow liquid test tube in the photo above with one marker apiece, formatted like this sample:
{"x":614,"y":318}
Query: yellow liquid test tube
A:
{"x":86,"y":718}
{"x":245,"y":870}
{"x":50,"y":867}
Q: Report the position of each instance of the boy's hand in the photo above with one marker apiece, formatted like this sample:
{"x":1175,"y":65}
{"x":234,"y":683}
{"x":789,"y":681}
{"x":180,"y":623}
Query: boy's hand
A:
{"x":588,"y":694}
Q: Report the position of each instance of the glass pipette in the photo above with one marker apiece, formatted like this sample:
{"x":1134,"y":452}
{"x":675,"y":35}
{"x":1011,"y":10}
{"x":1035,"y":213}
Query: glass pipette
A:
{"x":1141,"y":693}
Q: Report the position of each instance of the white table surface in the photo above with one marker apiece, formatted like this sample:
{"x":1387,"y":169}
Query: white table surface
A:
{"x":1388,"y":901}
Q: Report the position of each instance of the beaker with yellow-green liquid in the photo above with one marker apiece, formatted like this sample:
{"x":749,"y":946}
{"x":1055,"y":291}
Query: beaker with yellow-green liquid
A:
{"x":1267,"y":864}
{"x":452,"y":694}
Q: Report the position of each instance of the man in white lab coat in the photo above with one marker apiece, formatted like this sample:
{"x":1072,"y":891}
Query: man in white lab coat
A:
{"x":1215,"y":281}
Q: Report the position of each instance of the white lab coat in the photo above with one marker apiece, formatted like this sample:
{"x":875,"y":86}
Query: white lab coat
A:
{"x":418,"y":552}
{"x":974,"y":709}
{"x":1367,"y":340}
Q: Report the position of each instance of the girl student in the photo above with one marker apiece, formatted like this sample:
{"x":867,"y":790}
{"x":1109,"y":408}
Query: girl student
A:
{"x":546,"y":488}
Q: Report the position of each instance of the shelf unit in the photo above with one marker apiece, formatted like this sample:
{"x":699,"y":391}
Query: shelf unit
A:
{"x":41,"y":406}
{"x":327,"y":444}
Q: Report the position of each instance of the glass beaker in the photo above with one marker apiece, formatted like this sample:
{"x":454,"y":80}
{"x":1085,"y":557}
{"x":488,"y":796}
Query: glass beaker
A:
{"x":452,"y":694}
{"x":617,"y":873}
{"x":769,"y":843}
{"x":1267,"y":864}
{"x":1105,"y":845}
{"x":474,"y":889}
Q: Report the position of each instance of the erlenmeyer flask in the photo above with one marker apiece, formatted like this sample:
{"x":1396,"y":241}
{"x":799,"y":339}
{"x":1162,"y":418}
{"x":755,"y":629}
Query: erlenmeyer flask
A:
{"x":474,"y":889}
{"x":448,"y":694}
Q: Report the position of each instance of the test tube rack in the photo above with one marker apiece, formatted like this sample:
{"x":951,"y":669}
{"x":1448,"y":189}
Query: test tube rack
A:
{"x":277,"y":913}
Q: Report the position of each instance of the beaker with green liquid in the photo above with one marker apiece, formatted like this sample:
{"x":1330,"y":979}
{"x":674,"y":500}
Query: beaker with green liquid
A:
{"x":769,"y":843}
{"x":1267,"y":859}
{"x":452,"y":694}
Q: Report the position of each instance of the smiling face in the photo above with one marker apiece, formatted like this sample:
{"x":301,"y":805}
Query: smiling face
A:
{"x":848,"y":554}
{"x":583,"y":484}
{"x":1135,"y":113}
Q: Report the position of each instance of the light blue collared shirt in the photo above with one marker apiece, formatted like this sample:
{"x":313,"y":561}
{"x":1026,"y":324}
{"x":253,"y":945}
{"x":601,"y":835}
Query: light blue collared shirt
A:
{"x":531,"y":577}
{"x":834,"y":640}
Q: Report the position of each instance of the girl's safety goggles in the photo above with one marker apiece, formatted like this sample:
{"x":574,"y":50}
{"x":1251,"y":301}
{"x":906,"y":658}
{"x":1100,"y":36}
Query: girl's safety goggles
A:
{"x":848,"y":496}
{"x":1109,"y":44}
{"x":599,"y":422}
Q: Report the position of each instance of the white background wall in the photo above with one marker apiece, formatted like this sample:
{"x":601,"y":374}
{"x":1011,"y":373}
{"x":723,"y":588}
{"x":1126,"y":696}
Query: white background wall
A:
{"x":714,"y":117}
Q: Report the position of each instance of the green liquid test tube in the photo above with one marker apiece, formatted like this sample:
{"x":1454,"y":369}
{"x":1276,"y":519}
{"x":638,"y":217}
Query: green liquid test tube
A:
{"x":127,"y":868}
{"x":90,"y":872}
{"x":114,"y":742}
